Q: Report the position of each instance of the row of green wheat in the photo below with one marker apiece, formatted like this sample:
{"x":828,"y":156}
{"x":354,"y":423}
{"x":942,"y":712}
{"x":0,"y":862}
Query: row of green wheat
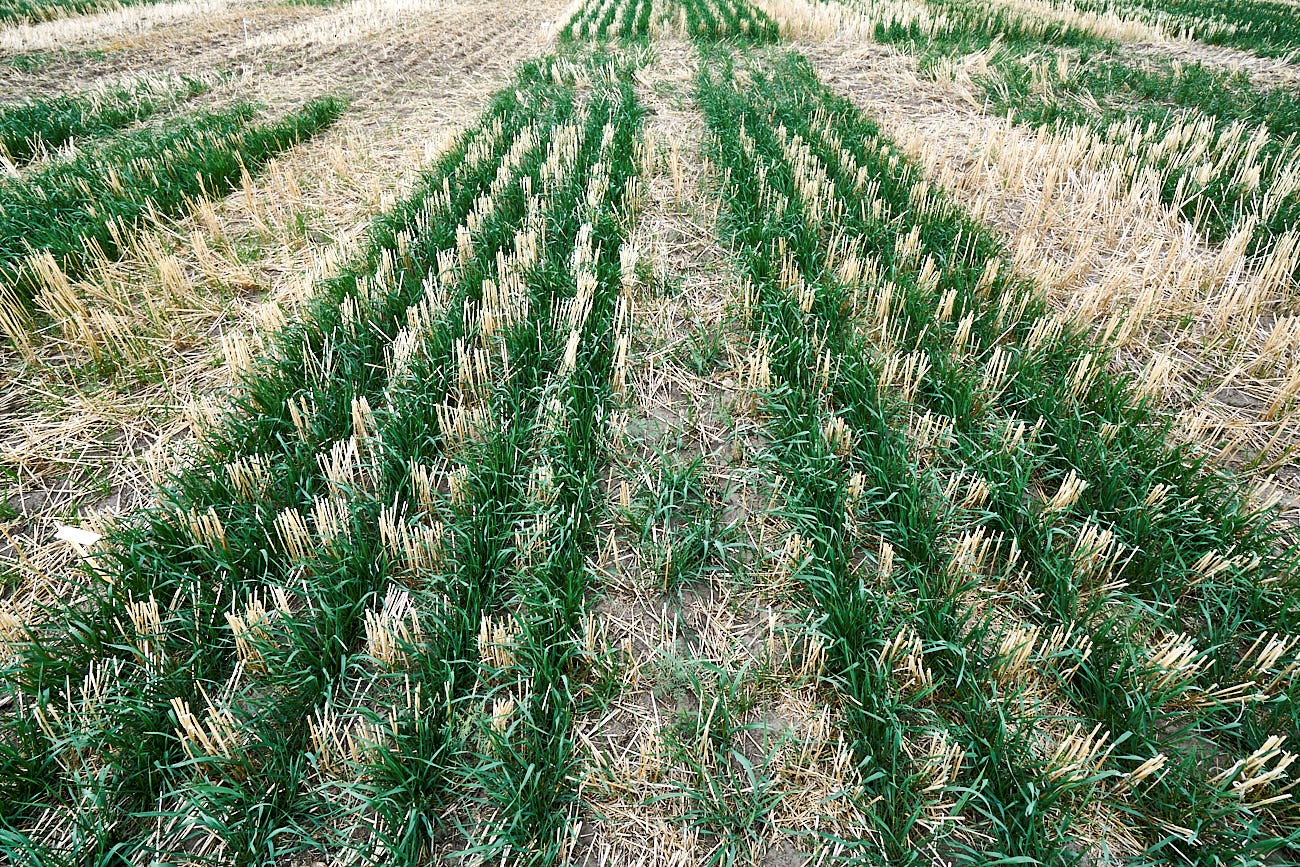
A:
{"x":25,"y":11}
{"x":33,"y":11}
{"x":707,"y":20}
{"x":1223,"y":149}
{"x":384,"y":536}
{"x":64,"y":216}
{"x":942,"y":438}
{"x":1266,"y":27}
{"x":351,"y":625}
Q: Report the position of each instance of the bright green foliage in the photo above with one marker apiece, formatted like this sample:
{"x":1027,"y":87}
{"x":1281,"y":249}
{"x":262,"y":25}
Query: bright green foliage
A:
{"x":352,"y":629}
{"x":715,"y":20}
{"x":959,"y":27}
{"x":726,"y":793}
{"x":1234,"y":178}
{"x":327,"y":570}
{"x":28,"y":127}
{"x":20,"y":11}
{"x":77,"y":209}
{"x":1140,"y":107}
{"x":1267,"y":27}
{"x":702,"y":20}
{"x":933,"y":425}
{"x":608,"y":19}
{"x":679,"y":522}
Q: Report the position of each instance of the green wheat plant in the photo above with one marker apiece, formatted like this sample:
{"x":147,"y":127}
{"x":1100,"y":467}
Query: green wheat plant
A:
{"x":61,"y":219}
{"x":34,"y":126}
{"x":349,"y":684}
{"x":939,"y":430}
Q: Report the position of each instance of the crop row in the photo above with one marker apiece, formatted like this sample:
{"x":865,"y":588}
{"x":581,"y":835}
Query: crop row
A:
{"x":58,"y":219}
{"x":1264,"y":27}
{"x":358,"y":598}
{"x":991,"y":527}
{"x":36,"y":126}
{"x":23,"y":11}
{"x":1221,"y":147}
{"x":706,"y":20}
{"x":353,"y":628}
{"x":1267,"y":27}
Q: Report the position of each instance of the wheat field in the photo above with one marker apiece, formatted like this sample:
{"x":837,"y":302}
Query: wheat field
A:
{"x":649,"y":432}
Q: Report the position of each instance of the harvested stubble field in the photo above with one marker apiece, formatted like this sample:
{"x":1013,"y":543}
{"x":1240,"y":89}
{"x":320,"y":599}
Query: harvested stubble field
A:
{"x":656,"y":432}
